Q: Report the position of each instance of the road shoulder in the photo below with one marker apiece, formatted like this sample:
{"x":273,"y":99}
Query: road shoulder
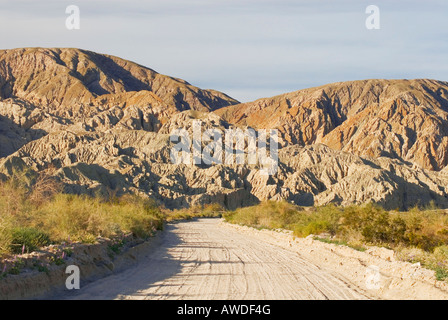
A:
{"x":375,"y":271}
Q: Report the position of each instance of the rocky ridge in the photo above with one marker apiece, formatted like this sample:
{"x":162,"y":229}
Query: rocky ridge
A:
{"x":103,"y":124}
{"x":47,"y":90}
{"x":405,"y":119}
{"x":139,"y":161}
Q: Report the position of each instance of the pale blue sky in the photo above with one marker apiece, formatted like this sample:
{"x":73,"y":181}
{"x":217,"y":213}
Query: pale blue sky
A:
{"x":247,"y":48}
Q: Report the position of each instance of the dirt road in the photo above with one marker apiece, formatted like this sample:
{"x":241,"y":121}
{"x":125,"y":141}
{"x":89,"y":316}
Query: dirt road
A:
{"x":204,"y":259}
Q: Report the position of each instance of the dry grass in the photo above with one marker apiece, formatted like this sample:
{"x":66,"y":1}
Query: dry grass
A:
{"x":207,"y":210}
{"x":269,"y":214}
{"x":83,"y":218}
{"x":33,"y":209}
{"x":34,"y":212}
{"x":44,"y":187}
{"x":418,"y":235}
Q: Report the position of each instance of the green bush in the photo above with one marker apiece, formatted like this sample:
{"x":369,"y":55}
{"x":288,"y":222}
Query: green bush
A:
{"x":441,"y":253}
{"x":315,"y":227}
{"x":84,"y":218}
{"x":367,"y":223}
{"x":441,"y":273}
{"x":30,"y":238}
{"x":268,"y":214}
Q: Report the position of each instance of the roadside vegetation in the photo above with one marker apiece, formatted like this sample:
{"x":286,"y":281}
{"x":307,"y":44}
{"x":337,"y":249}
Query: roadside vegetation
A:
{"x":213,"y":210}
{"x":417,"y":235}
{"x":35,"y":213}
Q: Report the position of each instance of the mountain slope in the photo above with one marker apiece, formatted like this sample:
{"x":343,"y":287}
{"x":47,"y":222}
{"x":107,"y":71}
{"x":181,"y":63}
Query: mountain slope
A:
{"x":405,"y":119}
{"x":138,"y":161}
{"x":103,"y":124}
{"x":59,"y":78}
{"x":47,"y":90}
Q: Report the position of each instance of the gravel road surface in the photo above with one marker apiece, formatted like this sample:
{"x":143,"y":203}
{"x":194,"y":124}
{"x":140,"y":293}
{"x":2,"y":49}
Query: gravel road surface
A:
{"x":203,"y":259}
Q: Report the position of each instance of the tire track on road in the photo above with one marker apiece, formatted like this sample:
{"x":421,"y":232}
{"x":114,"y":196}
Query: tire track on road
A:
{"x":200,"y":259}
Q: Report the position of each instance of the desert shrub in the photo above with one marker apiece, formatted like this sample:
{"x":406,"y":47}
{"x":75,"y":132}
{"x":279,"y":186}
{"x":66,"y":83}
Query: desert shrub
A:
{"x":426,"y":229}
{"x":328,"y":218}
{"x":211,"y":210}
{"x":207,"y":210}
{"x":83,"y":217}
{"x":439,"y":261}
{"x":324,"y":219}
{"x":441,"y":273}
{"x":5,"y":235}
{"x":34,"y":213}
{"x":132,"y":213}
{"x":282,"y":214}
{"x":73,"y":216}
{"x":44,"y":187}
{"x":13,"y":209}
{"x":13,"y":199}
{"x":268,"y":214}
{"x":441,"y":253}
{"x":381,"y":229}
{"x":417,"y":235}
{"x":314,"y":227}
{"x":372,"y":224}
{"x":369,"y":223}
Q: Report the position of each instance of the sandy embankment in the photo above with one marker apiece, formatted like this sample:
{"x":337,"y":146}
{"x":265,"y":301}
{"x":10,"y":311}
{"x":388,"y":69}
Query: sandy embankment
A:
{"x":211,"y":259}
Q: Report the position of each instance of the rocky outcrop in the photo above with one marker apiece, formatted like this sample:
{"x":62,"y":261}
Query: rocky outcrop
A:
{"x":49,"y":90}
{"x":104,"y":125}
{"x":122,"y":161}
{"x":404,"y":119}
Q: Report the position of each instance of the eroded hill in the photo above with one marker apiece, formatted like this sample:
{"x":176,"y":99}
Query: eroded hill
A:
{"x":103,"y":124}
